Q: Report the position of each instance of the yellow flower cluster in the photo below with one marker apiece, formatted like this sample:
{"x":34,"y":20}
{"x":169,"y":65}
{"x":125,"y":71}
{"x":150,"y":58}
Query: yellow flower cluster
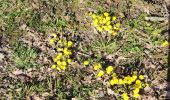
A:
{"x":62,"y":59}
{"x":133,"y":80}
{"x":125,"y":96}
{"x":165,"y":44}
{"x":105,"y":22}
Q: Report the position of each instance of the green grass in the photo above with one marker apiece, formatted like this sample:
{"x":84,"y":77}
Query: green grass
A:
{"x":25,"y":57}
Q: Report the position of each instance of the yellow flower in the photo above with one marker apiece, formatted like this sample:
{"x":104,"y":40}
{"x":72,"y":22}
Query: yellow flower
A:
{"x":60,"y":54}
{"x":55,"y":59}
{"x":136,"y":95}
{"x":86,"y":63}
{"x":54,"y":35}
{"x":114,"y":75}
{"x":113,"y":18}
{"x":108,"y":18}
{"x":58,"y":68}
{"x":138,"y":84}
{"x":51,"y":41}
{"x":134,"y":77}
{"x":96,"y":20}
{"x":108,"y":23}
{"x":101,"y":21}
{"x":58,"y":62}
{"x":68,"y":60}
{"x":100,"y":74}
{"x":97,"y":66}
{"x":104,"y":21}
{"x":117,"y":25}
{"x":114,"y":33}
{"x":109,"y":27}
{"x":165,"y":43}
{"x":93,"y":16}
{"x":109,"y":69}
{"x":121,"y":81}
{"x":59,"y":49}
{"x":95,"y":24}
{"x":66,"y":52}
{"x":136,"y":92}
{"x":114,"y":81}
{"x":63,"y":67}
{"x":106,"y":14}
{"x":65,"y":43}
{"x":141,"y":77}
{"x":53,"y":66}
{"x":63,"y":63}
{"x":125,"y":96}
{"x":100,"y":29}
{"x":115,"y":28}
{"x":69,"y":44}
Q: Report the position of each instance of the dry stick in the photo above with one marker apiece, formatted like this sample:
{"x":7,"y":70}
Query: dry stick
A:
{"x":157,"y":19}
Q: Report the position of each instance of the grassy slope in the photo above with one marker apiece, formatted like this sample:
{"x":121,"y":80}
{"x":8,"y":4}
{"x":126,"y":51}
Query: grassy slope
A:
{"x":137,"y":40}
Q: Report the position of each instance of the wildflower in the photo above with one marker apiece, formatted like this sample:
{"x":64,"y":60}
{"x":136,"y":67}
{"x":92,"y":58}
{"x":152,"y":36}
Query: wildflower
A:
{"x":109,"y":27}
{"x":63,"y":67}
{"x":114,"y":33}
{"x":165,"y":43}
{"x":53,"y":66}
{"x":108,"y":23}
{"x":63,"y":63}
{"x":121,"y":81}
{"x":59,"y":49}
{"x":108,"y":18}
{"x":117,"y":25}
{"x":134,"y":77}
{"x":58,"y":57}
{"x":58,"y":62}
{"x":100,"y":74}
{"x":95,"y":24}
{"x":125,"y":96}
{"x":66,"y":51}
{"x":68,"y":60}
{"x":114,"y":75}
{"x":109,"y":69}
{"x":136,"y":92}
{"x":138,"y":84}
{"x":97,"y":66}
{"x":113,"y":18}
{"x":54,"y":35}
{"x":101,"y":21}
{"x":58,"y":68}
{"x":136,"y":95}
{"x":69,"y":44}
{"x":114,"y":81}
{"x":55,"y":59}
{"x":100,"y":29}
{"x":51,"y":41}
{"x":141,"y":77}
{"x":115,"y":28}
{"x":106,"y":14}
{"x":93,"y":16}
{"x":86,"y":63}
